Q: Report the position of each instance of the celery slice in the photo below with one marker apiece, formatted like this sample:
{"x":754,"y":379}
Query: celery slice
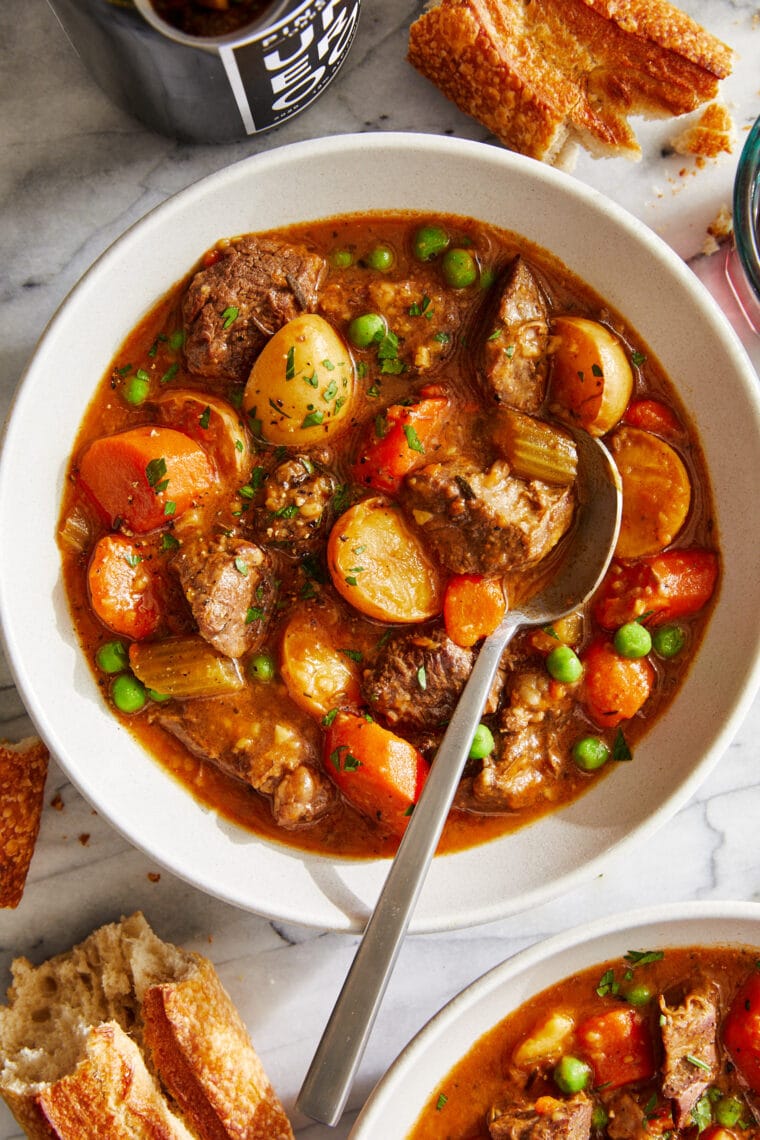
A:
{"x":185,"y":667}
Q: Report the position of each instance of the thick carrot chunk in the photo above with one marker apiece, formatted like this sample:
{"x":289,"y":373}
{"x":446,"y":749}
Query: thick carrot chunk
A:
{"x":145,"y":477}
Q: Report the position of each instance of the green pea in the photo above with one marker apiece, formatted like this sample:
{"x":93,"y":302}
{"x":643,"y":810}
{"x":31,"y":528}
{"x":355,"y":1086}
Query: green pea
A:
{"x":728,"y":1111}
{"x":482,"y":743}
{"x":261,"y":667}
{"x":668,"y":640}
{"x":136,"y":390}
{"x":341,"y":258}
{"x":112,"y":657}
{"x":590,"y":753}
{"x":633,"y":640}
{"x":380,"y":257}
{"x":638,"y":995}
{"x":459,"y":268}
{"x":572,"y":1075}
{"x":564,"y":665}
{"x":429,"y":241}
{"x":128,"y":693}
{"x":363,"y":330}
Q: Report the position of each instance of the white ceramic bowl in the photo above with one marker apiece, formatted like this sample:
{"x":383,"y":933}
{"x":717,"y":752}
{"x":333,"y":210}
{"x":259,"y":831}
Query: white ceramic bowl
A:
{"x":617,"y":256}
{"x":399,"y":1098}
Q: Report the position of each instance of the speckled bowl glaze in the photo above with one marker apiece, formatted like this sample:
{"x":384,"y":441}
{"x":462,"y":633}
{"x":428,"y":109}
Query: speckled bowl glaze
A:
{"x":401,"y":1095}
{"x":624,"y":262}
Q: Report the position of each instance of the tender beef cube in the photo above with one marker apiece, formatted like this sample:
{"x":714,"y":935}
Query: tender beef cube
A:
{"x":531,"y":748}
{"x":295,"y":508}
{"x":270,"y":745}
{"x":514,"y":361}
{"x":626,"y":1117}
{"x":486,"y":522}
{"x":689,"y":1035}
{"x":229,"y":586}
{"x":393,"y":687}
{"x":233,"y":306}
{"x":558,"y":1120}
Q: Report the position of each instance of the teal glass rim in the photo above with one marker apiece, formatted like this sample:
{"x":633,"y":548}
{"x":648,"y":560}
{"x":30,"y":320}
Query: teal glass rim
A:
{"x":747,"y":208}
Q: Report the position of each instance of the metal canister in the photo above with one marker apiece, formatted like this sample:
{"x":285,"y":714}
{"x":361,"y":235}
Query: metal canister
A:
{"x":205,"y":88}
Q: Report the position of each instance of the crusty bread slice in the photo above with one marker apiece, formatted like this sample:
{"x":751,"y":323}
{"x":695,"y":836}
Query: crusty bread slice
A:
{"x":63,"y":1033}
{"x":23,"y":769}
{"x":542,"y":73}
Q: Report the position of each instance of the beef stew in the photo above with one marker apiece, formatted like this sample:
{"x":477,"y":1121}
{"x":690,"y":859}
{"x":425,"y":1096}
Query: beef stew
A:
{"x":311,"y":482}
{"x":657,"y":1043}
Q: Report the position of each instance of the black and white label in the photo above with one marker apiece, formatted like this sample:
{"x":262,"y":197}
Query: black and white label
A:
{"x":285,"y":67}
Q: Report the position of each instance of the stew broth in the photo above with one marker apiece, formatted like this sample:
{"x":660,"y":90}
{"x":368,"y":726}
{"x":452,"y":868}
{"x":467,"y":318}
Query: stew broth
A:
{"x":324,"y":659}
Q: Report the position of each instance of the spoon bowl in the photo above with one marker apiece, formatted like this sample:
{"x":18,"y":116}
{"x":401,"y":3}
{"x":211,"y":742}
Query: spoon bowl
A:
{"x":584,"y":563}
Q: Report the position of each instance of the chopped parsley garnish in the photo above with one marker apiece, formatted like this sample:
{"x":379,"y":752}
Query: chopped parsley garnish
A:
{"x":412,"y":439}
{"x":155,"y":472}
{"x":620,"y":749}
{"x":170,"y":373}
{"x":422,"y":677}
{"x":204,"y":418}
{"x":329,"y":717}
{"x":290,"y":364}
{"x":314,"y":419}
{"x":241,"y":566}
{"x":229,"y":316}
{"x":643,"y":957}
{"x":169,"y":542}
{"x":638,"y":358}
{"x":132,"y":560}
{"x":442,"y":1100}
{"x":170,"y":508}
{"x":596,"y":370}
{"x":253,"y":613}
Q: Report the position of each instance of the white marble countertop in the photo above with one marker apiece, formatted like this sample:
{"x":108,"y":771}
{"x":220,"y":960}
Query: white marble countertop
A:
{"x":75,"y":173}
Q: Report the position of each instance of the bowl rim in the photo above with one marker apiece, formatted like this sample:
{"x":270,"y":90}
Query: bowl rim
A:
{"x":483,"y":991}
{"x":404,"y":146}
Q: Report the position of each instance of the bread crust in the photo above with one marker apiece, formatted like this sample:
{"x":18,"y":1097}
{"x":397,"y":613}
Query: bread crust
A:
{"x":127,"y":1036}
{"x":23,"y":770}
{"x":539,"y":73}
{"x":226,"y":1096}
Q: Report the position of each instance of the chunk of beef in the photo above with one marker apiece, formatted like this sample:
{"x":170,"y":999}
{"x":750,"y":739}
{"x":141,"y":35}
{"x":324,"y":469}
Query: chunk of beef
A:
{"x":689,"y":1039}
{"x":626,"y":1117}
{"x":486,"y":522}
{"x":417,"y":678}
{"x":558,"y":1120}
{"x":272,"y":746}
{"x":531,"y":748}
{"x":295,"y":509}
{"x":228,"y":584}
{"x":514,"y":362}
{"x":233,"y":306}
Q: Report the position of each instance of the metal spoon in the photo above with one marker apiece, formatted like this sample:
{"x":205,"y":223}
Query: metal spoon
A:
{"x":328,"y":1082}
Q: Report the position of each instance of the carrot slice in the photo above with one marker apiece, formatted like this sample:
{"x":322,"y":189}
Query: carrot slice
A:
{"x":653,"y":415}
{"x":123,"y":588}
{"x":614,"y":687}
{"x":378,"y":772}
{"x":619,"y":1047}
{"x":145,"y":477}
{"x":741,"y":1031}
{"x":473,"y":606}
{"x":664,"y":587}
{"x":401,"y":440}
{"x":656,"y":492}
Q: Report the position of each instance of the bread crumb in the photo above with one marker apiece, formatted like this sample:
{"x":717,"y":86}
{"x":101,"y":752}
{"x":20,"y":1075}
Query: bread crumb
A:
{"x":719,"y":231}
{"x":57,"y":803}
{"x":712,"y":134}
{"x":84,"y":838}
{"x":154,"y":877}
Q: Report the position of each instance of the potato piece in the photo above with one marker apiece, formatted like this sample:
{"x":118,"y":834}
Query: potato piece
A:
{"x":302,"y":383}
{"x":546,"y":1043}
{"x":314,"y":665}
{"x":215,"y":425}
{"x":380,"y":566}
{"x":656,"y":492}
{"x":591,"y":379}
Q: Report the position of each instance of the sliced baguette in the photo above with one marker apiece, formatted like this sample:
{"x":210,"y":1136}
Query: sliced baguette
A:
{"x":542,"y":74}
{"x":126,"y":1017}
{"x":23,"y":770}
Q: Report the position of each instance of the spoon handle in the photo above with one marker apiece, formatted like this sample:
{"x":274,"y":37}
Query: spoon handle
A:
{"x":328,"y":1082}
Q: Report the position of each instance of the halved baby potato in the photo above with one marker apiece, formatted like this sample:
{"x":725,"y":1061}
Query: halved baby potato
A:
{"x":320,"y":675}
{"x":379,"y":565}
{"x":302,"y":383}
{"x":656,"y":491}
{"x":591,"y":378}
